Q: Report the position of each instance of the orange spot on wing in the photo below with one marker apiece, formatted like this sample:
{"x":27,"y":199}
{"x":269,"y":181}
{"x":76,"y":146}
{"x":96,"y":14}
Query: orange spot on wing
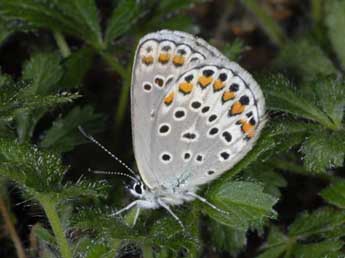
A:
{"x":164,"y":58}
{"x":169,"y":98}
{"x":147,"y":59}
{"x":178,"y":60}
{"x":205,"y":81}
{"x":185,"y":87}
{"x":218,"y":85}
{"x":236,"y":108}
{"x":227,"y":95}
{"x":247,"y":128}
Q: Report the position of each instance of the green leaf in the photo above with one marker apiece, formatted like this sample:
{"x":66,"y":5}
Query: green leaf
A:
{"x":76,"y":66}
{"x":123,"y":17}
{"x":335,"y":193}
{"x":227,"y":239}
{"x":319,"y":222}
{"x":245,"y":202}
{"x":267,"y":176}
{"x":335,"y":22}
{"x":305,"y":59}
{"x":330,"y":97}
{"x":324,"y":150}
{"x":325,"y":249}
{"x":281,"y":96}
{"x":44,"y":70}
{"x":78,"y":18}
{"x":64,"y":133}
{"x":32,"y":169}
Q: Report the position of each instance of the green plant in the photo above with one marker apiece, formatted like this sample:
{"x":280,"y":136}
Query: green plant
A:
{"x":41,"y":109}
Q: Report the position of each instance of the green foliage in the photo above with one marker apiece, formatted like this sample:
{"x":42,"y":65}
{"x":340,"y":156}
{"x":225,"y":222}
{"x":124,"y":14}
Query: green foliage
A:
{"x":305,"y":59}
{"x":123,"y":17}
{"x":335,"y":193}
{"x":78,"y":18}
{"x":323,"y":150}
{"x":245,"y":202}
{"x":63,"y":135}
{"x":308,"y":235}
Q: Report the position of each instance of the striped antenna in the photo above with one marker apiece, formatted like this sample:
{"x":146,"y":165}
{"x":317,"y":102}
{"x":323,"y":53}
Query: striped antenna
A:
{"x":101,"y":172}
{"x":107,"y":151}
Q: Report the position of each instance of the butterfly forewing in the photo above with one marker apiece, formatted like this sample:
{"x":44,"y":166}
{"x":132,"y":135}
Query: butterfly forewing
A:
{"x":160,"y":58}
{"x":199,"y":118}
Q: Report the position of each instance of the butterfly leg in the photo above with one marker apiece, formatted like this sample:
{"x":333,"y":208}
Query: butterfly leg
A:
{"x":128,"y":207}
{"x":203,"y":200}
{"x":136,"y":216}
{"x":165,"y":206}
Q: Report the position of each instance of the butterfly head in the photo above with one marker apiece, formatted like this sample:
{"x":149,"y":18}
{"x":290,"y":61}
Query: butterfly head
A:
{"x":138,"y":189}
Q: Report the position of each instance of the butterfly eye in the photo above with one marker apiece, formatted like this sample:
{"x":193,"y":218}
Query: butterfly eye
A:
{"x":138,"y":189}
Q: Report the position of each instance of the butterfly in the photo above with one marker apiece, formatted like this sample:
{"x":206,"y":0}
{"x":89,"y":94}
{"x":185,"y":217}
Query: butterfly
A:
{"x":195,"y":114}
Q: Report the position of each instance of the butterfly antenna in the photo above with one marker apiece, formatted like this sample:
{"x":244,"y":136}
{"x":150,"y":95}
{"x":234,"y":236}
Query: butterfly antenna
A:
{"x":106,"y":150}
{"x":101,"y":172}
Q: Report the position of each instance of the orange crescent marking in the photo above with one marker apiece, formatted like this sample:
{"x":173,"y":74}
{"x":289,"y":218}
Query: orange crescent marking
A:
{"x":227,"y":95}
{"x":178,"y":60}
{"x":164,"y":58}
{"x":185,"y":87}
{"x":237,"y":108}
{"x":205,"y":81}
{"x":169,"y":98}
{"x":218,"y":85}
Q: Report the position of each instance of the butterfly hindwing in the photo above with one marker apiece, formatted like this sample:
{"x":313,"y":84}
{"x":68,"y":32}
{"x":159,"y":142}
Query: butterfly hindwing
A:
{"x":160,"y":58}
{"x":207,"y":121}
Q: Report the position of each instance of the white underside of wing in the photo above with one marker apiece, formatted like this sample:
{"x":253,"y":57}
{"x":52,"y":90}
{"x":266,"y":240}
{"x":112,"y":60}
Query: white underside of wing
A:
{"x":176,"y":139}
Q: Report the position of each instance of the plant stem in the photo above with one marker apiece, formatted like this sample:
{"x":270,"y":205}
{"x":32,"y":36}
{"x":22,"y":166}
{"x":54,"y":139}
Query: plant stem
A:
{"x":49,"y":207}
{"x":62,"y":44}
{"x":269,"y":25}
{"x":147,"y":251}
{"x":11,"y":229}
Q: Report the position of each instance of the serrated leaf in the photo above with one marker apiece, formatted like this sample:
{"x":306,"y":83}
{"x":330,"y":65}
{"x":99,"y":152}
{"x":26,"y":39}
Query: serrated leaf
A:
{"x":282,"y":96}
{"x":318,"y":222}
{"x":78,"y":18}
{"x":64,"y":133}
{"x":324,"y":150}
{"x":306,"y":59}
{"x":335,"y":22}
{"x":335,"y":193}
{"x":245,"y":202}
{"x":44,"y":71}
{"x":330,"y":97}
{"x":30,"y":168}
{"x":123,"y":17}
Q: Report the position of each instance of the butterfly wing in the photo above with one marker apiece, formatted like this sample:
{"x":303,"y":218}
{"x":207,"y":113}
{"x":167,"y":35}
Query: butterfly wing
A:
{"x":160,"y":58}
{"x":211,"y":123}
